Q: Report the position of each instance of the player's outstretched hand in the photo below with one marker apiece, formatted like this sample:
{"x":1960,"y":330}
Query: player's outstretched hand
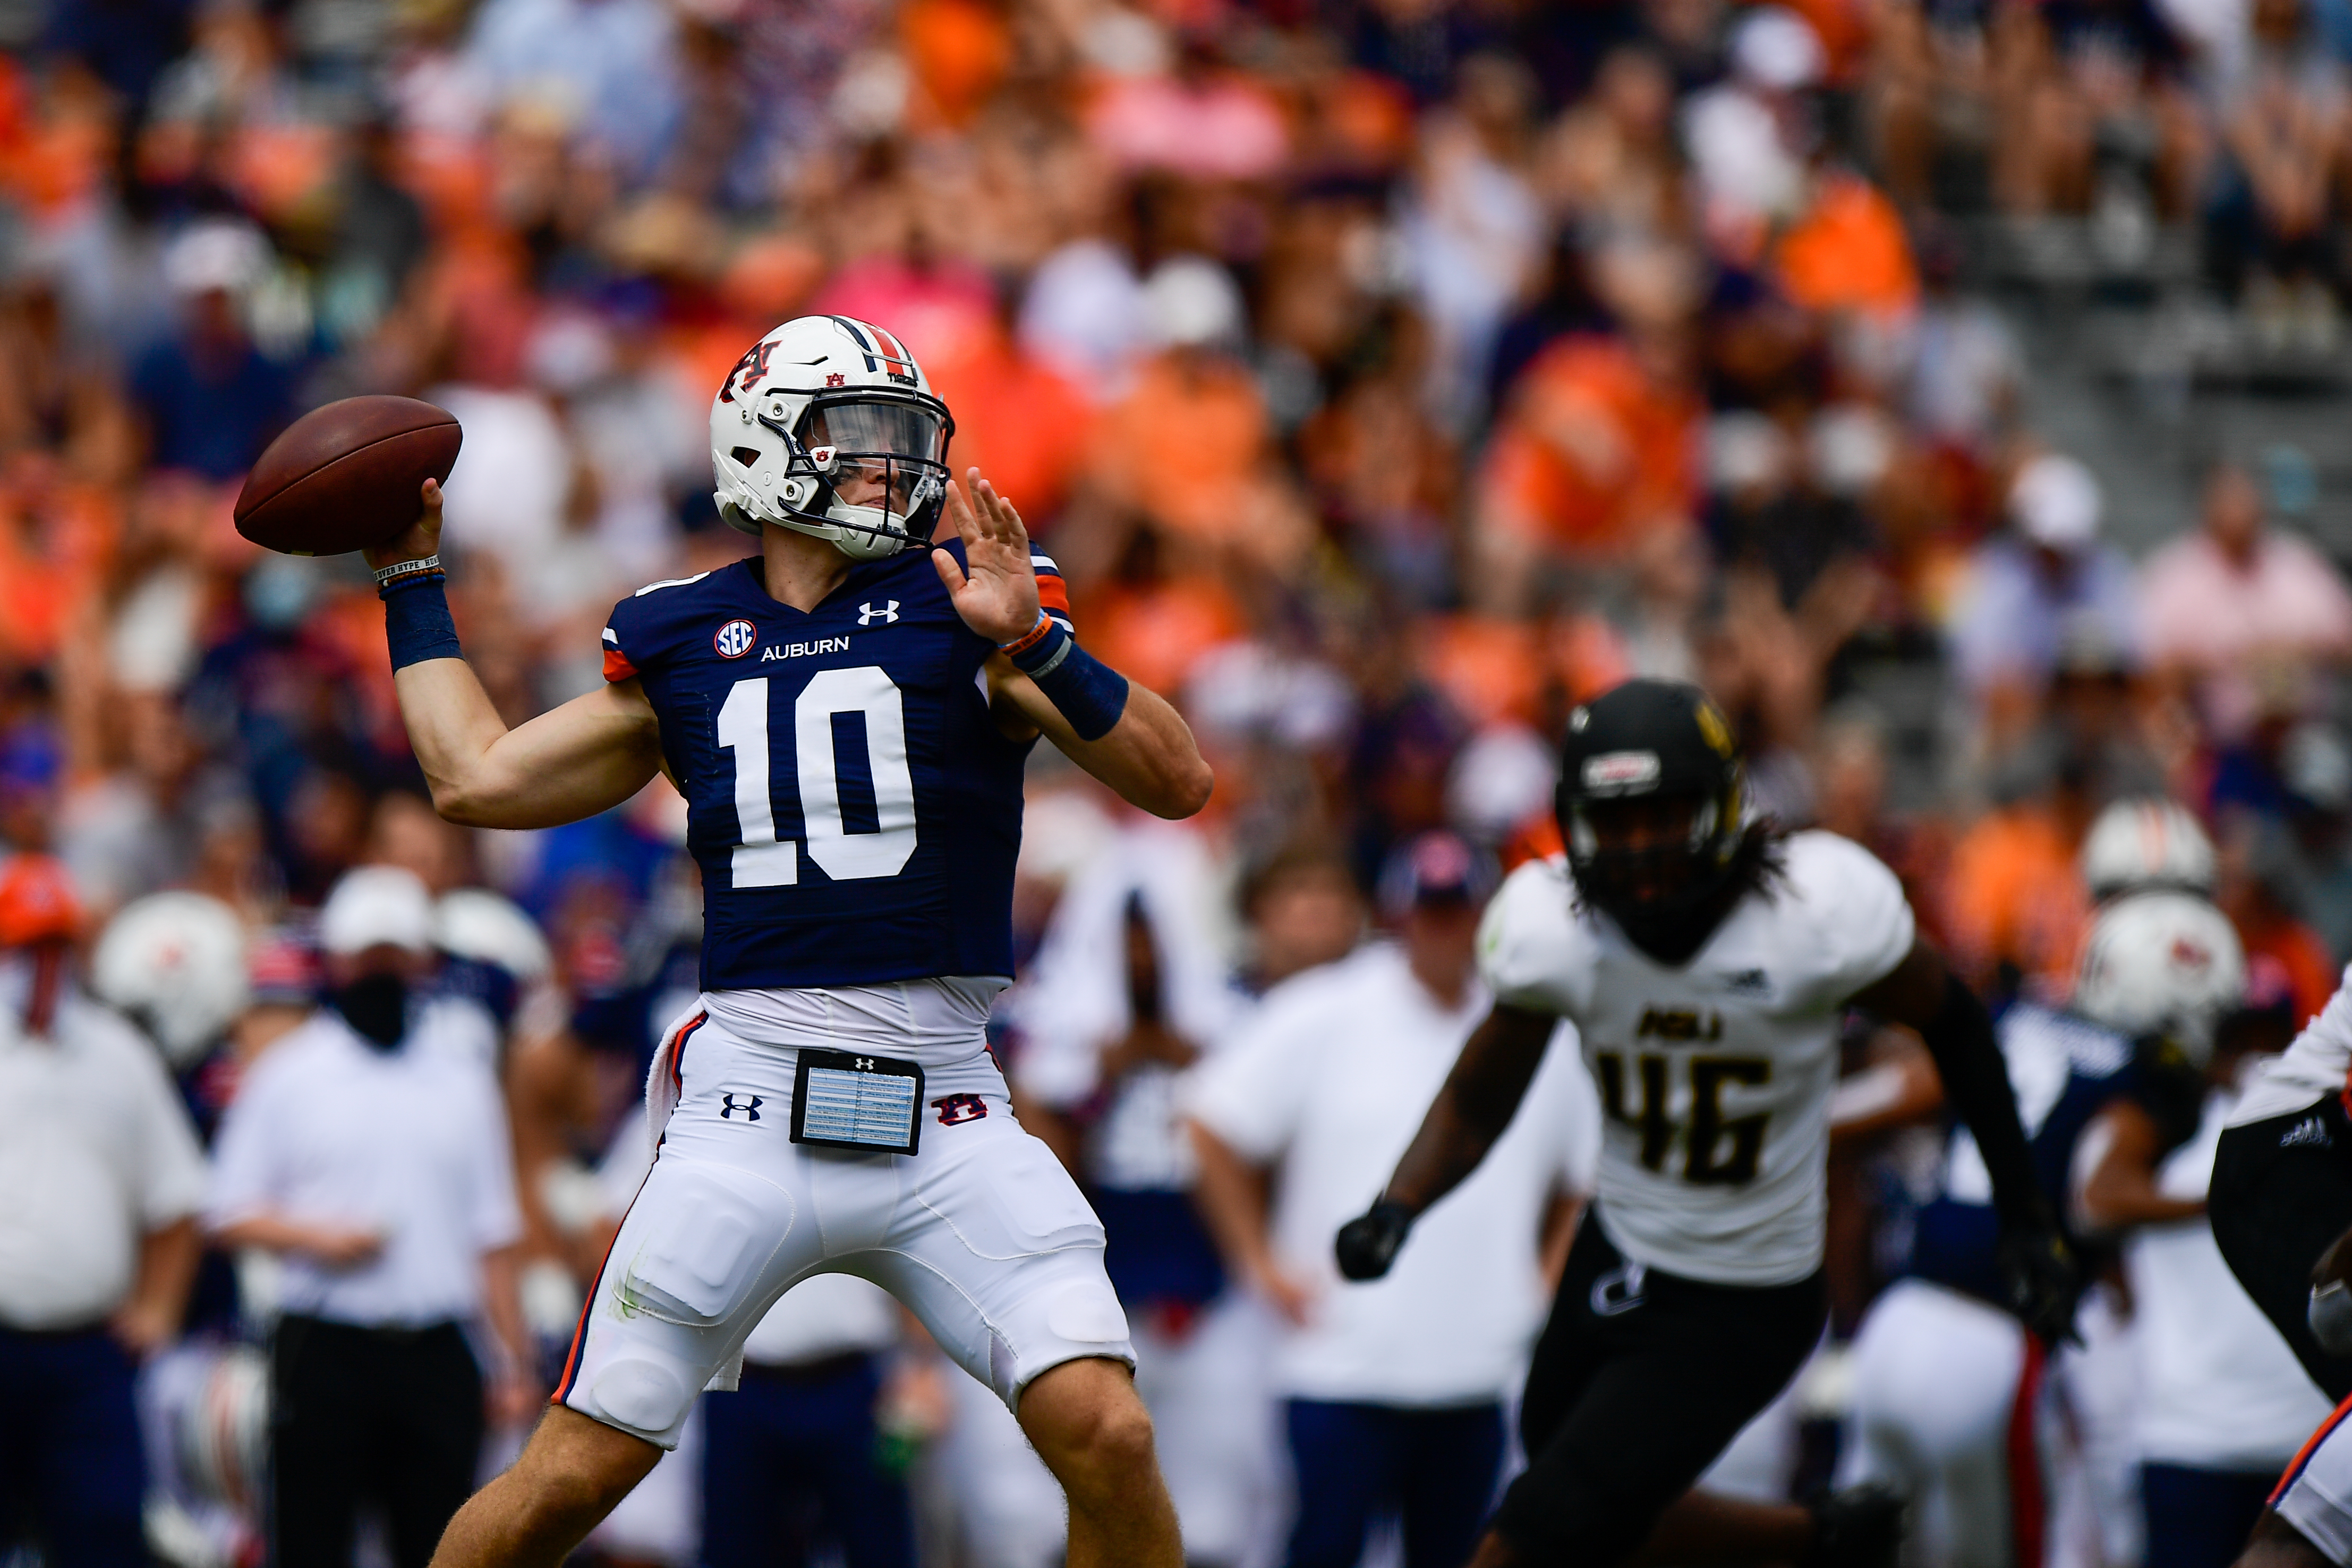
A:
{"x":996,"y":591}
{"x":423,"y":539}
{"x":2043,"y":1280}
{"x":1367,"y":1245}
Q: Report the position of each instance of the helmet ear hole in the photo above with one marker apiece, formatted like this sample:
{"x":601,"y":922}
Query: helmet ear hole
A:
{"x":747,"y":456}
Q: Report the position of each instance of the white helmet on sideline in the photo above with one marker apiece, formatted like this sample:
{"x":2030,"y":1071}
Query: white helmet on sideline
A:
{"x":2164,"y":962}
{"x":2146,"y":843}
{"x":476,"y":924}
{"x":827,"y":425}
{"x":175,"y":964}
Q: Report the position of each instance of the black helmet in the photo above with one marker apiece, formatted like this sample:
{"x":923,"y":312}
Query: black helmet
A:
{"x":1662,"y":740}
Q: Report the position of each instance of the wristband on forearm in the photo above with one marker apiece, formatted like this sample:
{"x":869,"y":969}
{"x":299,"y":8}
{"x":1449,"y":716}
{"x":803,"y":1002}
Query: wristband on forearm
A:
{"x":1087,"y":692}
{"x":416,"y":624}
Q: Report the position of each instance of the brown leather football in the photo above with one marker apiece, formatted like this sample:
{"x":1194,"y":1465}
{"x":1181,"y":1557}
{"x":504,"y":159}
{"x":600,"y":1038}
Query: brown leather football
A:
{"x":346,"y":477}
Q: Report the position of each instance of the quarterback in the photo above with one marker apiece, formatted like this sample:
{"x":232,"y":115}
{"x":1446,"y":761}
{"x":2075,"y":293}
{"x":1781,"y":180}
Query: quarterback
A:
{"x":848,"y":714}
{"x":1704,"y":960}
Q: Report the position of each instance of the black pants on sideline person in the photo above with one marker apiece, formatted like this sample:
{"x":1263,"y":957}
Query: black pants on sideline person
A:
{"x":2282,"y":1192}
{"x":73,"y":1476}
{"x":1640,"y":1380}
{"x":388,"y":1417}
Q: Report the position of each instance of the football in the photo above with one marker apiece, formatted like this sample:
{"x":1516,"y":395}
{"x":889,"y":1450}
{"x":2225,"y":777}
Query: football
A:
{"x":345,"y":477}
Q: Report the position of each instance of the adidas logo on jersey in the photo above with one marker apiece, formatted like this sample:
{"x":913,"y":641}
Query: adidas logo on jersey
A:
{"x":2309,"y":1132}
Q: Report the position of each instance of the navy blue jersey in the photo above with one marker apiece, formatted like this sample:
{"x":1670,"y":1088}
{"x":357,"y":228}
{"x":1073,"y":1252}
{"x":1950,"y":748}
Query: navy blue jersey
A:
{"x":854,"y":809}
{"x":2064,"y":1070}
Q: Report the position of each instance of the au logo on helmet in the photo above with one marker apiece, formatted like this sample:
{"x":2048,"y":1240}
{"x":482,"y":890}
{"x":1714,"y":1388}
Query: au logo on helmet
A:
{"x":749,"y":371}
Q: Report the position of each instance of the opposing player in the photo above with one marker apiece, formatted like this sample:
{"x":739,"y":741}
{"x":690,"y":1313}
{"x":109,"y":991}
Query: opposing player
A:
{"x":848,"y":714}
{"x":1704,"y":960}
{"x":2281,"y":1193}
{"x":1947,"y":1386}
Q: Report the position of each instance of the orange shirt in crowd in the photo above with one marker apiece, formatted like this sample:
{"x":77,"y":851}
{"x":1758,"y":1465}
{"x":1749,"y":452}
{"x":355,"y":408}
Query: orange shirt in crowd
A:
{"x":1492,"y":670}
{"x":1186,"y":444}
{"x":2300,"y":956}
{"x":1848,"y":251}
{"x":1591,"y":448}
{"x":2013,"y":896}
{"x":55,"y":543}
{"x":1155,"y":632}
{"x":1017,"y":421}
{"x":958,"y":52}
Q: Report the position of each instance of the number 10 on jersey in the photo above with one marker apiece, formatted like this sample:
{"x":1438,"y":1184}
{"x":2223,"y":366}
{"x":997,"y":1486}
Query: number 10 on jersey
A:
{"x":762,"y":859}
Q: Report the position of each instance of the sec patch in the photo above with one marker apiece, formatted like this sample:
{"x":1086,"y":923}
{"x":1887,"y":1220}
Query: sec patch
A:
{"x":735,"y":639}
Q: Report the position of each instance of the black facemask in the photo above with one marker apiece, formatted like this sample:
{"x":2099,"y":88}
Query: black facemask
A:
{"x":376,"y":1006}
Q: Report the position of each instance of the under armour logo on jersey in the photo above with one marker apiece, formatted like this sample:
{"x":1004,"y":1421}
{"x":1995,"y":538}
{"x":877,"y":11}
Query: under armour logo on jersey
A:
{"x":2309,"y":1132}
{"x":735,"y":639}
{"x":959,"y":1109}
{"x":1750,"y":981}
{"x":886,"y":614}
{"x":728,"y":1108}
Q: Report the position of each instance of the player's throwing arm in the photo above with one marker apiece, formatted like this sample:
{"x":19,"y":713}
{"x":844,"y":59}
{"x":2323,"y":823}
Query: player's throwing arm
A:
{"x":597,"y":750}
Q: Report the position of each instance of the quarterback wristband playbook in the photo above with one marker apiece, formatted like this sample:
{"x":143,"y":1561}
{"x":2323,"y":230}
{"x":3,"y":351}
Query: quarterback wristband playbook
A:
{"x":416,"y":624}
{"x":1089,"y":693}
{"x":842,"y":1100}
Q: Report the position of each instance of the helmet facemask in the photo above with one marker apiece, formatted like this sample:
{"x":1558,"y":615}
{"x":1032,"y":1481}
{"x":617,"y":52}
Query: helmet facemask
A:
{"x":866,"y":469}
{"x":1655,"y":863}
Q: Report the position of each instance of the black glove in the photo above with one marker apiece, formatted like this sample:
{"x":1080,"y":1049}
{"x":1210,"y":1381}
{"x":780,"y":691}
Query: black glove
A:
{"x":2038,"y":1268}
{"x":1368,"y":1244}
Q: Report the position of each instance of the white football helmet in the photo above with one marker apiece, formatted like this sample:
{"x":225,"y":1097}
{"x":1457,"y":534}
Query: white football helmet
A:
{"x":2164,"y":962}
{"x":476,"y":924}
{"x":2146,"y":843}
{"x":175,"y":964}
{"x":826,"y":424}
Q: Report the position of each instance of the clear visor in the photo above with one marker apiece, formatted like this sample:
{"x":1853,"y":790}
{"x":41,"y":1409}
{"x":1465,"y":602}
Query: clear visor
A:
{"x":877,"y":429}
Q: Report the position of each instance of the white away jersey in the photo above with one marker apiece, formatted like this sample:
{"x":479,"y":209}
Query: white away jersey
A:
{"x":2314,"y":1067}
{"x":1715,"y":1077}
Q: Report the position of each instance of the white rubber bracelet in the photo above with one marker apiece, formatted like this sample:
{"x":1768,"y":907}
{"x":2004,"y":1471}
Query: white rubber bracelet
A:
{"x":400,"y":569}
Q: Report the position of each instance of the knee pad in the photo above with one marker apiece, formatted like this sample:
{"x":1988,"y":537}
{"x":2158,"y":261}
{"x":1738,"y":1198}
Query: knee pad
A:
{"x":1068,"y":1320}
{"x":643,"y":1396}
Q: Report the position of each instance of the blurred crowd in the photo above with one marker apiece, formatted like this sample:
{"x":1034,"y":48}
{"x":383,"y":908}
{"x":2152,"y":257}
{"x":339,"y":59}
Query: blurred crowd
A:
{"x":1385,"y":376}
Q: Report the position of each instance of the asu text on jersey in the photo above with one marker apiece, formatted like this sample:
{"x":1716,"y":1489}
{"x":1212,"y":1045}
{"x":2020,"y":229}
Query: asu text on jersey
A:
{"x":853,"y":808}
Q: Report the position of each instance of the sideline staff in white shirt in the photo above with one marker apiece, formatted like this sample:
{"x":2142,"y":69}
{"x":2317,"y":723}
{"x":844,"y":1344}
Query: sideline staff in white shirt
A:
{"x":1394,"y":1389}
{"x":370,"y":1149}
{"x":100,"y":1177}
